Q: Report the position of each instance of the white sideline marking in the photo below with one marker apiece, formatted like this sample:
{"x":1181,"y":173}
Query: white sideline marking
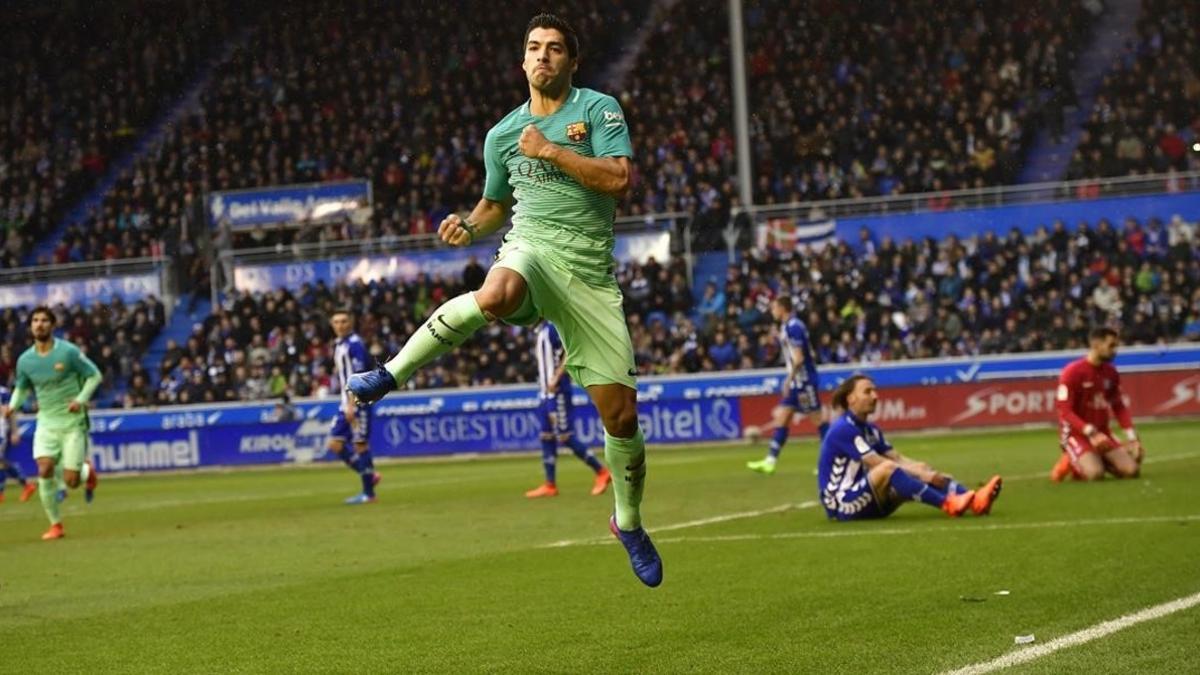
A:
{"x":686,"y":524}
{"x":1152,"y":459}
{"x":1088,"y":634}
{"x":891,"y":531}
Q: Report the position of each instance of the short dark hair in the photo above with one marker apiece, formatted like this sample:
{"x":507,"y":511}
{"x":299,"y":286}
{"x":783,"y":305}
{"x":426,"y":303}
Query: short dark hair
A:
{"x":785,"y":301}
{"x":1103,"y":333}
{"x":843,"y":390}
{"x":42,"y":309}
{"x":341,"y":311}
{"x":547,"y":20}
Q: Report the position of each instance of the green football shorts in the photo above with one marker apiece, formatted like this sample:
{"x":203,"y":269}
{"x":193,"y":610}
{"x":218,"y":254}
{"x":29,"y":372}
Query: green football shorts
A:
{"x":589,"y":318}
{"x":68,"y":447}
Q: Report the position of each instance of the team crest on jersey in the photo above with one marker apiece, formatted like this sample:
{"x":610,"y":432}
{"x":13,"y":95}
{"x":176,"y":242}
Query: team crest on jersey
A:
{"x":577,"y":131}
{"x":59,"y":366}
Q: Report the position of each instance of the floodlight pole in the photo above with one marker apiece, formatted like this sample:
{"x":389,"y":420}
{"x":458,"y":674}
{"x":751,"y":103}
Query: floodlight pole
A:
{"x":741,"y":107}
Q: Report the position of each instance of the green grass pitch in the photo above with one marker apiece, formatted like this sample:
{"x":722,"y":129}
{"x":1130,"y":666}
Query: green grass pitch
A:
{"x":267,"y":571}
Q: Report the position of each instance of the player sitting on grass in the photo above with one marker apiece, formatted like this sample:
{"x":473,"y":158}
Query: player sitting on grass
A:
{"x":558,"y":419}
{"x":861,"y":476}
{"x":1088,"y":390}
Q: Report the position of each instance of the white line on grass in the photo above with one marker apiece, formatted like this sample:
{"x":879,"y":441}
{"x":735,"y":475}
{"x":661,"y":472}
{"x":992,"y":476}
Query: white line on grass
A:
{"x":712,"y":520}
{"x":851,"y":531}
{"x":1152,"y":459}
{"x":1088,"y":634}
{"x":892,"y":531}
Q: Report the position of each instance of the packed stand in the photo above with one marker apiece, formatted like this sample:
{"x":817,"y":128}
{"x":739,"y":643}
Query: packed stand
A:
{"x":848,"y":99}
{"x":871,"y":301}
{"x":73,"y":103}
{"x":268,"y":344}
{"x":1147,"y":116}
{"x":877,"y":98}
{"x":864,"y":301}
{"x":679,"y":106}
{"x":329,"y":91}
{"x":113,"y":335}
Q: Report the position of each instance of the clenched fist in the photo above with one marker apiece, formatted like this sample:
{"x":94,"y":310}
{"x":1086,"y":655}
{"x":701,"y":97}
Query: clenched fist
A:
{"x":454,"y":231}
{"x":533,"y":144}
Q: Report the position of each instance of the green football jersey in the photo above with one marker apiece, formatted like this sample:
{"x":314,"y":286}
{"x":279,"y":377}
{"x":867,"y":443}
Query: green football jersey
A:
{"x":57,"y":378}
{"x":564,"y":221}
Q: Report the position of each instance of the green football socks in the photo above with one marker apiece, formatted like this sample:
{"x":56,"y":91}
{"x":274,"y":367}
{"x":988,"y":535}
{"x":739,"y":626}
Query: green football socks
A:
{"x":626,"y":459}
{"x":448,"y":327}
{"x":48,"y":493}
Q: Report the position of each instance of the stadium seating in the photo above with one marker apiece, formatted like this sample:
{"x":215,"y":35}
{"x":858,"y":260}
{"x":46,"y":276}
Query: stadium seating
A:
{"x":859,"y":99}
{"x":1148,"y":113}
{"x":329,"y":91}
{"x":114,"y":336}
{"x":72,"y":105}
{"x":871,"y":302}
{"x":951,"y":102}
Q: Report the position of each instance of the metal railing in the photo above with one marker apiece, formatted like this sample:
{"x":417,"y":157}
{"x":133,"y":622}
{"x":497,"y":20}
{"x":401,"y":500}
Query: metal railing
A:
{"x":83,"y":270}
{"x":413,"y":243}
{"x":955,"y":200}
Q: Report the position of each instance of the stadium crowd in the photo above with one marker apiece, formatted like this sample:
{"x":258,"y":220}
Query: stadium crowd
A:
{"x":324,"y":92}
{"x":72,"y":105}
{"x":319,"y":92}
{"x":950,"y":102}
{"x":114,"y":336}
{"x":871,"y":301}
{"x":1148,"y":113}
{"x":871,"y":98}
{"x":865,"y":301}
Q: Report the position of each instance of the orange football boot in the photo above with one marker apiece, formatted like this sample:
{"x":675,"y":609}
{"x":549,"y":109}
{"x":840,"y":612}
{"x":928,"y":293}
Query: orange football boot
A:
{"x":1062,"y":469}
{"x":603,"y":478}
{"x":985,"y":496}
{"x":55,"y":532}
{"x":543,"y":490}
{"x":28,"y":490}
{"x":956,"y":505}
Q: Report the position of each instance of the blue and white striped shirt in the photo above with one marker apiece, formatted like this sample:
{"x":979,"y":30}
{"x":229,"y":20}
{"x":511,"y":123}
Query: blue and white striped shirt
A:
{"x":349,"y":357}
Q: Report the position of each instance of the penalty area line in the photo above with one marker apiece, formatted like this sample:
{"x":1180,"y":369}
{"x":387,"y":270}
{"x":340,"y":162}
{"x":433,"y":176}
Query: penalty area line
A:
{"x":1100,"y":630}
{"x":700,"y":522}
{"x":1152,"y":459}
{"x":894,"y":531}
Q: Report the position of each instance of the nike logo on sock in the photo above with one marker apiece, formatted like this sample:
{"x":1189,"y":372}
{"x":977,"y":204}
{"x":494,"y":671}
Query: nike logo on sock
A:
{"x":443,"y":322}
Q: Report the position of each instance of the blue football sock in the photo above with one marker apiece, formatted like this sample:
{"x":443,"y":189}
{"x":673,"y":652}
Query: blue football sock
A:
{"x":956,"y":488}
{"x":777,"y":441}
{"x":366,"y":470}
{"x":582,"y":452}
{"x":822,"y":429}
{"x":915,"y":489}
{"x":348,"y":458}
{"x":549,"y":458}
{"x":15,"y":471}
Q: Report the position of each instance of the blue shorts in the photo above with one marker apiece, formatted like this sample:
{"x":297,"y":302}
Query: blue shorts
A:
{"x":802,"y":397}
{"x":857,"y":503}
{"x":359,"y":432}
{"x":557,"y":412}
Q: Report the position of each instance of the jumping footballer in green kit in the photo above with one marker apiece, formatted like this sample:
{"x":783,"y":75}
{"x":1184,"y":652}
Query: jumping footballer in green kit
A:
{"x":63,"y":379}
{"x":557,"y":165}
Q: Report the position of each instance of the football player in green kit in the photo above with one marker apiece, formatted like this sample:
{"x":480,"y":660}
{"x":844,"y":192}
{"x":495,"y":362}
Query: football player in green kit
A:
{"x":557,"y":165}
{"x":63,"y":379}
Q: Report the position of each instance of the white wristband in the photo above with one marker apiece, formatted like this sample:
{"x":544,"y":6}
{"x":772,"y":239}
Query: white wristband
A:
{"x":1130,"y":434}
{"x":1089,"y":429}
